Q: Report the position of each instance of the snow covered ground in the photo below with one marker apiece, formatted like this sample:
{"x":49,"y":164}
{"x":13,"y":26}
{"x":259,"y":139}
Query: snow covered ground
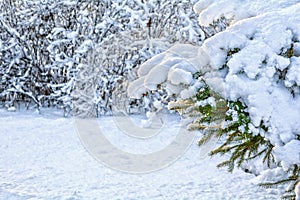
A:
{"x":42,"y":157}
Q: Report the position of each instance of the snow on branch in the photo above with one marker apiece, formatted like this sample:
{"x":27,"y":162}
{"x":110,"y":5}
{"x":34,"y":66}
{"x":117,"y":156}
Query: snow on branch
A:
{"x":210,"y":10}
{"x":254,"y":62}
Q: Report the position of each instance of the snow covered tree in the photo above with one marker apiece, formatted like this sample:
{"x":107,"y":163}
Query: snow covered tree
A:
{"x":245,"y":84}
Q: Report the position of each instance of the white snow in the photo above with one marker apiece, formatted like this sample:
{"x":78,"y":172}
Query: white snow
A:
{"x":174,"y":68}
{"x":137,"y":89}
{"x":11,"y":109}
{"x":288,"y":154}
{"x":210,"y":10}
{"x":188,"y":93}
{"x":177,"y":76}
{"x":41,"y":157}
{"x":293,"y":75}
{"x":298,"y":191}
{"x":147,"y":66}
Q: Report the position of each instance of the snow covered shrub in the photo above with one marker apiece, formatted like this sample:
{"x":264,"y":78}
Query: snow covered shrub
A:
{"x":249,"y":75}
{"x":19,"y":69}
{"x":35,"y":68}
{"x":44,"y":43}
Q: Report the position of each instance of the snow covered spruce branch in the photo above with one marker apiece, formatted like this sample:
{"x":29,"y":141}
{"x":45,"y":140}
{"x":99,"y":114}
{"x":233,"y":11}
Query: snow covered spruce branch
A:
{"x":242,"y":84}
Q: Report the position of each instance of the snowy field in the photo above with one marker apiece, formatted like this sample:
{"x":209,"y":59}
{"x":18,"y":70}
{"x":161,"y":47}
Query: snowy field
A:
{"x":42,"y":157}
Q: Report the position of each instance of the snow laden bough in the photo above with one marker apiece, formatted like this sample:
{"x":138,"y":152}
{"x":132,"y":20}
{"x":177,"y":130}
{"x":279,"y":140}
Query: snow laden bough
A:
{"x":166,"y":77}
{"x":243,"y":85}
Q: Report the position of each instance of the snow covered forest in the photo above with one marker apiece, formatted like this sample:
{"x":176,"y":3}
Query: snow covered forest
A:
{"x":230,"y":68}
